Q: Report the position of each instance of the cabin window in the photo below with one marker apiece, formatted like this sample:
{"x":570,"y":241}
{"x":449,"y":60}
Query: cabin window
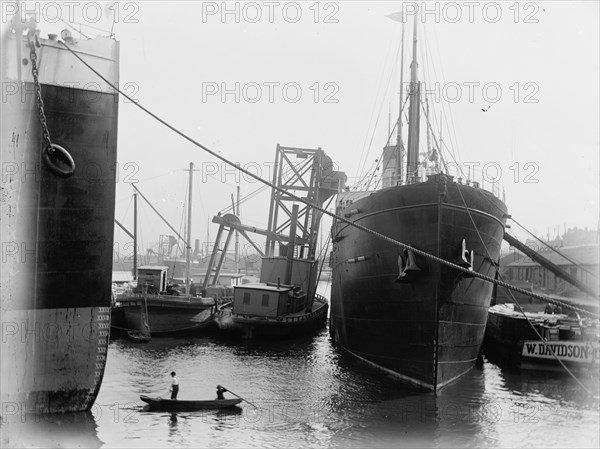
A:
{"x":265,"y":301}
{"x":246,"y":299}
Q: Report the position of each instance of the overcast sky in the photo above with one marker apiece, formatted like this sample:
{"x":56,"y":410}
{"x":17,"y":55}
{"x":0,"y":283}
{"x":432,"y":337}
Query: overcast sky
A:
{"x":518,"y":84}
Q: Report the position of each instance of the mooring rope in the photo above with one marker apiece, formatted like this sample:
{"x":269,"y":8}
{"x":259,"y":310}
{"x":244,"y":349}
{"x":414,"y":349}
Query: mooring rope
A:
{"x":326,"y":212}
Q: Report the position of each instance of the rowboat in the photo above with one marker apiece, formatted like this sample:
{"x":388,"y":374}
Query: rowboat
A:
{"x":176,"y":405}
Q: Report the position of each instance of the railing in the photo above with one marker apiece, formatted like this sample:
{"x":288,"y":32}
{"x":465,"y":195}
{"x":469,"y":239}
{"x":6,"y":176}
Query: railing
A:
{"x":136,"y":296}
{"x":476,"y":178}
{"x":479,"y":179}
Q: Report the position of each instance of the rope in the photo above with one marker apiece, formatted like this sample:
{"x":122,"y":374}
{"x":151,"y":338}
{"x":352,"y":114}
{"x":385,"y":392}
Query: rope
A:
{"x":509,"y":290}
{"x":366,"y":150}
{"x":324,"y":211}
{"x":573,"y":261}
{"x":544,"y":298}
{"x":288,"y":171}
{"x":548,"y":347}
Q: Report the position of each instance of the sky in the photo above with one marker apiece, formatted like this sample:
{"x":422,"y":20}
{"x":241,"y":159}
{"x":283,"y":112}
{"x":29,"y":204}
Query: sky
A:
{"x":517,"y":82}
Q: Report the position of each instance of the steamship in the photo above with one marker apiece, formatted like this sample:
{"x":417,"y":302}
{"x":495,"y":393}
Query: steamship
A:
{"x":58,"y":148}
{"x":415,"y":318}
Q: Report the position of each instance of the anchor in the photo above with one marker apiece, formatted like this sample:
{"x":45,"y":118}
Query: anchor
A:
{"x":465,"y":258}
{"x":408,"y":268}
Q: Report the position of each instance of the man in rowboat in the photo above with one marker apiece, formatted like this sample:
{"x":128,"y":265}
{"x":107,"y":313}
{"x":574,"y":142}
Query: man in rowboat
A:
{"x":220,"y":391}
{"x":174,"y":385}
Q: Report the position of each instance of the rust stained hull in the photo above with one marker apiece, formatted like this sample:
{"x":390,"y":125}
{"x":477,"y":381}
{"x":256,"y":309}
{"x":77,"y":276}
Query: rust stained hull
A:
{"x":58,"y":233}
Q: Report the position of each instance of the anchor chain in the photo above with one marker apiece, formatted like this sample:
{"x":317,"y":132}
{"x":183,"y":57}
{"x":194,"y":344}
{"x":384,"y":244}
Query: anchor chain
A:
{"x":394,"y":242}
{"x":50,"y":149}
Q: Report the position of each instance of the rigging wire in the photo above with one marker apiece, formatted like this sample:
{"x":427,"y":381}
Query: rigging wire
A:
{"x":546,"y":344}
{"x":475,"y":274}
{"x":455,"y":159}
{"x":496,"y":207}
{"x":322,"y":257}
{"x":77,"y":30}
{"x":333,"y":215}
{"x":376,"y":123}
{"x":120,"y":260}
{"x":170,"y":172}
{"x":179,"y":251}
{"x":573,"y":261}
{"x":289,"y":170}
{"x":570,"y":259}
{"x":378,"y":164}
{"x":502,"y":211}
{"x":448,"y":123}
{"x":140,"y":235}
{"x":128,"y":206}
{"x":365,"y":151}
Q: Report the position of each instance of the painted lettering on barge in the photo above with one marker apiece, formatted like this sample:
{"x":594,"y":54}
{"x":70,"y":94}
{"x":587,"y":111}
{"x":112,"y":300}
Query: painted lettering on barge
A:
{"x":572,"y":351}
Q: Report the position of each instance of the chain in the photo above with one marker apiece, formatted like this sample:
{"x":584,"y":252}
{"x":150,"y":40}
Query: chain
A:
{"x":49,"y":149}
{"x":38,"y":96}
{"x":394,"y":242}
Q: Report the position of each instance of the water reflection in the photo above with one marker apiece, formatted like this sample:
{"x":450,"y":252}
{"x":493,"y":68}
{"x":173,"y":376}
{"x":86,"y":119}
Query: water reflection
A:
{"x":226,"y":419}
{"x":309,"y":393}
{"x":172,"y":424}
{"x":580,"y":388}
{"x":368,"y":408}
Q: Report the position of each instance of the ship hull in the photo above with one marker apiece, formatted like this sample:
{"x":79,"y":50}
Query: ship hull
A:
{"x":166,"y":316}
{"x":57,"y":233}
{"x":428,"y":329}
{"x":250,"y":327}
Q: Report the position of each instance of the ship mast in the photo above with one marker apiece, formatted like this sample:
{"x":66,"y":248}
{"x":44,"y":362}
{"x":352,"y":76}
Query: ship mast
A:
{"x":189,"y":234}
{"x":134,"y":235}
{"x":399,"y":143}
{"x":412,"y":159}
{"x":237,"y":234}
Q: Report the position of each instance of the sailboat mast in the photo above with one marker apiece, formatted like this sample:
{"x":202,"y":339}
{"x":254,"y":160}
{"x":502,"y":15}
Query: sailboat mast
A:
{"x":135,"y":235}
{"x":189,"y":233}
{"x":399,"y":143}
{"x":412,"y":158}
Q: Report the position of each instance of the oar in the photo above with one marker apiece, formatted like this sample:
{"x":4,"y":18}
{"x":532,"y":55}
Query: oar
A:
{"x":241,"y":398}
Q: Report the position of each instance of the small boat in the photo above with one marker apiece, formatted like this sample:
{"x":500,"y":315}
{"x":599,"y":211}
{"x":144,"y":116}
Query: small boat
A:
{"x":510,"y":336}
{"x":188,"y":406}
{"x":247,"y":320}
{"x":157,"y":307}
{"x":150,"y":308}
{"x":284,"y":303}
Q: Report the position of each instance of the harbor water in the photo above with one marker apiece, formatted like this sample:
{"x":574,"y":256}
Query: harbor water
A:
{"x":308,"y":393}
